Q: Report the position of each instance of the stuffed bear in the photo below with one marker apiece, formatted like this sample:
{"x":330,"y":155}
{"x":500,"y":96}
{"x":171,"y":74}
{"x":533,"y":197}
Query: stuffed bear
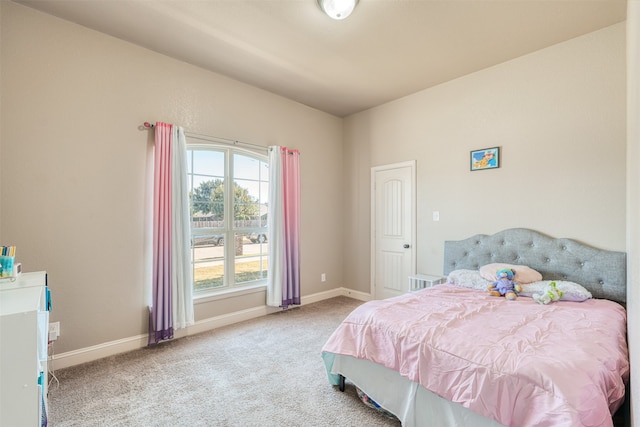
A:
{"x":552,"y":293}
{"x":504,"y":285}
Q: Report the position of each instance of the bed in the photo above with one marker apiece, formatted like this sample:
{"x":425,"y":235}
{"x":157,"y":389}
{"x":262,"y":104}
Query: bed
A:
{"x":453,"y":355}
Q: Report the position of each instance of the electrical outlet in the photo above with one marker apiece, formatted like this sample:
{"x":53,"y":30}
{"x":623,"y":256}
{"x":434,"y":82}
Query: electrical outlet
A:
{"x":323,"y":277}
{"x":54,"y":331}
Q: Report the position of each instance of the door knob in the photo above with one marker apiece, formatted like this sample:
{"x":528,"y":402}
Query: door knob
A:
{"x":406,"y":246}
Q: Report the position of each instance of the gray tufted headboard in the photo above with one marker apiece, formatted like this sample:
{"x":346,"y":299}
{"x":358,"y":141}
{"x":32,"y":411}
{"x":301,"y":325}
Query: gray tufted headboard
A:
{"x":602,"y":272}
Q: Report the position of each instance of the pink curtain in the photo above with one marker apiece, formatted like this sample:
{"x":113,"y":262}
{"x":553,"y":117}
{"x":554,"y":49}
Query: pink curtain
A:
{"x":160,"y":316}
{"x":291,"y":191}
{"x":283,"y":288}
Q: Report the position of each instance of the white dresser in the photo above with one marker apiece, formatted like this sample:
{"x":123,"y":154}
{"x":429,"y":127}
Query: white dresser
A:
{"x":24,"y":321}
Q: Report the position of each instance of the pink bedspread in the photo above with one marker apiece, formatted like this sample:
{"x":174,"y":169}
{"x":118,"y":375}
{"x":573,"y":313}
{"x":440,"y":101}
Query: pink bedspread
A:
{"x":517,"y":362}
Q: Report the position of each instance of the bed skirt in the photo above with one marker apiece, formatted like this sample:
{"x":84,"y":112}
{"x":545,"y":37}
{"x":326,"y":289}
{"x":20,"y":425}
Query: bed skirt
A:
{"x":412,"y":404}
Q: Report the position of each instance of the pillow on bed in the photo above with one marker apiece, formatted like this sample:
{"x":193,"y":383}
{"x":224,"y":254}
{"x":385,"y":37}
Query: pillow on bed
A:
{"x":571,"y":291}
{"x":468,"y":279}
{"x":523,"y":275}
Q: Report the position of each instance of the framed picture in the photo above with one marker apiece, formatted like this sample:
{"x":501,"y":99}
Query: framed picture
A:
{"x":487,"y":158}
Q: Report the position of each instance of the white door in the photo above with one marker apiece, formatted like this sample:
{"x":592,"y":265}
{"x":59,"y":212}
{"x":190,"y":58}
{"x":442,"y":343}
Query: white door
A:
{"x":393,"y":229}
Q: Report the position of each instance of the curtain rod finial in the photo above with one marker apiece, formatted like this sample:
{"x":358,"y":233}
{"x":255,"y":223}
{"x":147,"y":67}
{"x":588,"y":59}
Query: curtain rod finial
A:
{"x":148,"y":125}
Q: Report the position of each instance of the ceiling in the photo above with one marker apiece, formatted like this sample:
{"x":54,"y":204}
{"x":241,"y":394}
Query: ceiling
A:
{"x":385,"y":50}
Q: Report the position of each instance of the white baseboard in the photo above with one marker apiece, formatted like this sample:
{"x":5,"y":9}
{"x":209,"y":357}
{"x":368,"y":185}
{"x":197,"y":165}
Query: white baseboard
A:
{"x":95,"y":352}
{"x":361,"y":296}
{"x":337,"y":292}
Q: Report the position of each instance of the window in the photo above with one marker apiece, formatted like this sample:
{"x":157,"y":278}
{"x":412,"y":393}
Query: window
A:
{"x":228,"y":190}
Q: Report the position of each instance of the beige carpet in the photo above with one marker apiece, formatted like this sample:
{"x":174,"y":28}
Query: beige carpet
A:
{"x":263,"y":372}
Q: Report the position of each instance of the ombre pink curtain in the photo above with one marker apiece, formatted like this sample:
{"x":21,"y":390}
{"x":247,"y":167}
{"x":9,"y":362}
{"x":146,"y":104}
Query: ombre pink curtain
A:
{"x":283,"y":284}
{"x":172,"y":292}
{"x":160,"y":319}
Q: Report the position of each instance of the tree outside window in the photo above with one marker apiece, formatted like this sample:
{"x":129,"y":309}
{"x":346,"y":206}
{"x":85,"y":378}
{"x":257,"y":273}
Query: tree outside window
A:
{"x":217,"y":264}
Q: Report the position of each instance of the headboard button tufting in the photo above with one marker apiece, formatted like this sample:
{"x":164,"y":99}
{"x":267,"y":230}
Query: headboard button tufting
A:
{"x":561,"y":259}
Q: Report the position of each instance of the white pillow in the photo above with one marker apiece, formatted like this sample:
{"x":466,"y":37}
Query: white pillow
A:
{"x":523,"y":275}
{"x":468,"y":279}
{"x":571,"y":291}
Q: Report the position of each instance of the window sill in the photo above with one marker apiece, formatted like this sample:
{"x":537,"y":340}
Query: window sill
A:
{"x":228,"y":293}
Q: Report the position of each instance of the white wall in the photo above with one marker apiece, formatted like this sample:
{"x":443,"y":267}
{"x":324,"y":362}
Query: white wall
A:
{"x":558,"y":115}
{"x":75,"y":167}
{"x":633,"y":201}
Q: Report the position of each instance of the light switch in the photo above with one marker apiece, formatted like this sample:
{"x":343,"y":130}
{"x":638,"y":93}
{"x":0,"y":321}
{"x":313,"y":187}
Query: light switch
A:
{"x":436,"y":215}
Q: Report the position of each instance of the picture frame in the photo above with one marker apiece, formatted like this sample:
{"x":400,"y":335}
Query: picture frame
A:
{"x":485,"y":158}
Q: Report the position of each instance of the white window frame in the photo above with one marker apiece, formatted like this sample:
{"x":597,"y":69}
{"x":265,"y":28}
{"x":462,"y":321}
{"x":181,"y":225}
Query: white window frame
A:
{"x":228,"y":230}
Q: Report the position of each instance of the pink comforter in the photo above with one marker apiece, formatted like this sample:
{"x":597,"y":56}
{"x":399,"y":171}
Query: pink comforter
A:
{"x":517,"y":362}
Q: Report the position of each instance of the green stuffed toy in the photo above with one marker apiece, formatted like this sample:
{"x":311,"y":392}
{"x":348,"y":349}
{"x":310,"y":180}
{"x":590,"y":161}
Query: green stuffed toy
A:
{"x":552,"y":293}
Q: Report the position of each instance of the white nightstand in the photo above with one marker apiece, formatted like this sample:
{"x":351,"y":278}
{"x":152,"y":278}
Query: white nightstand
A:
{"x":421,"y":281}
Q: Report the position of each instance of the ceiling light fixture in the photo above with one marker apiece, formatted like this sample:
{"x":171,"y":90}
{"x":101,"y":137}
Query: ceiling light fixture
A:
{"x":337,"y":9}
